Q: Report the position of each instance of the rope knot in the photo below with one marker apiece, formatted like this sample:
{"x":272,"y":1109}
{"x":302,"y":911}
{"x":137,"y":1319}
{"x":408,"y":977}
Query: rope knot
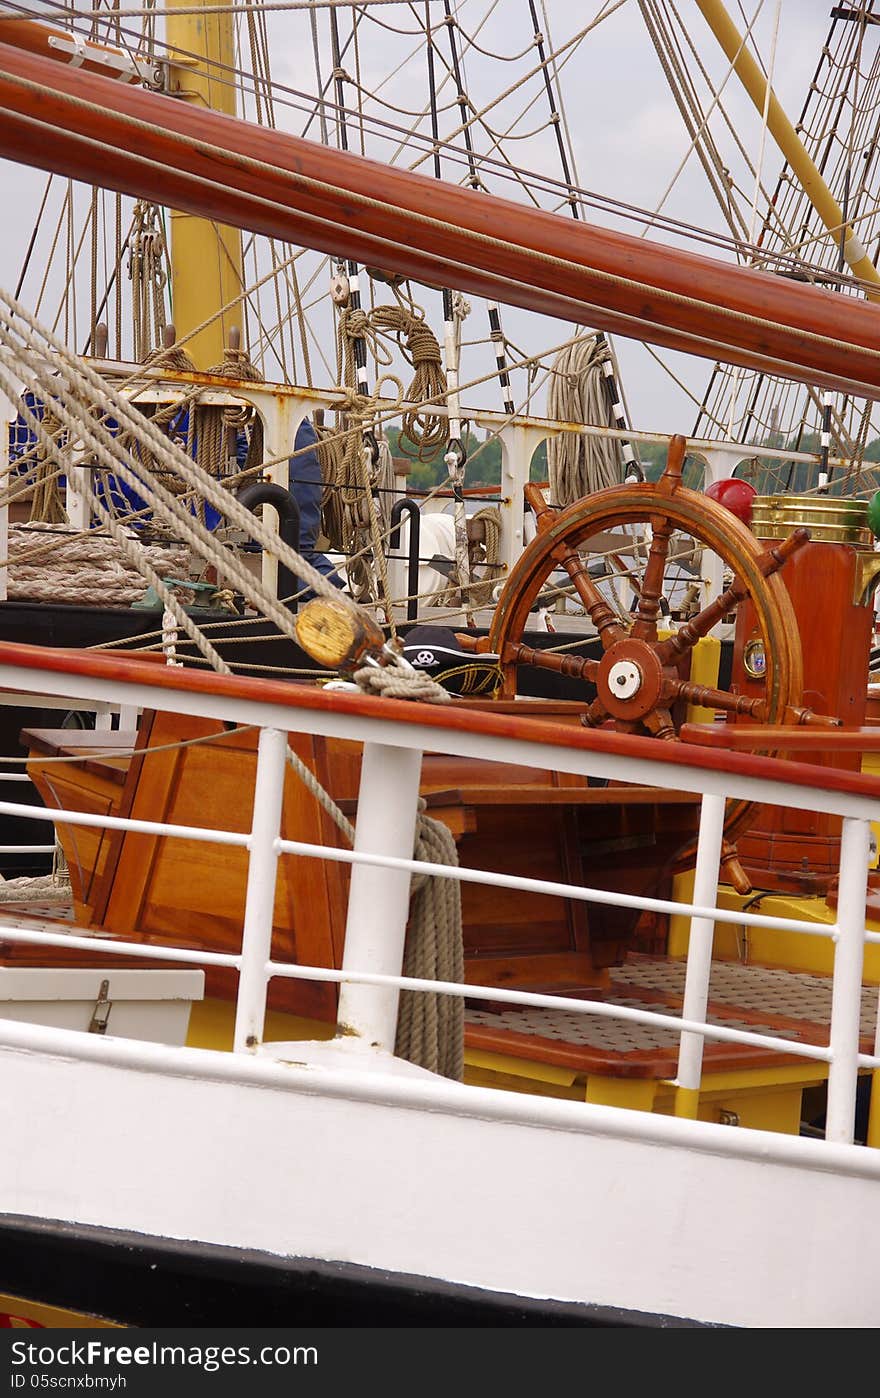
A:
{"x":396,"y":681}
{"x":424,"y":347}
{"x":236,"y":364}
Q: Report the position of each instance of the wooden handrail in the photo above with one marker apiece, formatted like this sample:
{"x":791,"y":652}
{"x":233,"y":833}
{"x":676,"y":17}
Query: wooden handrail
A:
{"x":747,"y":737}
{"x":455,"y":717}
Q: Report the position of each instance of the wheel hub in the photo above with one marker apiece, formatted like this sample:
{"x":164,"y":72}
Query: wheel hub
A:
{"x":630,"y":679}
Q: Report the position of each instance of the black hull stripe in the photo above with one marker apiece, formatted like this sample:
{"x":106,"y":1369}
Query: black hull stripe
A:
{"x":163,"y":1282}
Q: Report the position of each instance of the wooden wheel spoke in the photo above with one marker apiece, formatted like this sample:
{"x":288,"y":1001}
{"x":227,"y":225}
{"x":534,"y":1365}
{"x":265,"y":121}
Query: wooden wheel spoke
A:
{"x":710,"y":698}
{"x":598,"y":610}
{"x":659,"y":722}
{"x":576,"y":666}
{"x":774,"y":558}
{"x":651,"y":588}
{"x":596,"y":715}
{"x":686,"y":637}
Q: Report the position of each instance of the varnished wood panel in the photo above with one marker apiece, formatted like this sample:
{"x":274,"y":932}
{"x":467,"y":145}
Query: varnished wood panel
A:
{"x":784,"y":847}
{"x":194,"y":892}
{"x":168,"y":890}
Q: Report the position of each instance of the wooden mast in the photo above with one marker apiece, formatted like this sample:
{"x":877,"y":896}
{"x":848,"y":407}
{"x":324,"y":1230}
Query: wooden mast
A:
{"x":218,"y":167}
{"x":206,"y":257}
{"x":791,"y":145}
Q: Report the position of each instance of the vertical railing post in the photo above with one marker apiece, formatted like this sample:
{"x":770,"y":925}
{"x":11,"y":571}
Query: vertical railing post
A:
{"x":378,"y":901}
{"x":873,"y":1133}
{"x":846,"y":994}
{"x":256,"y":943}
{"x":518,"y":444}
{"x":699,"y":959}
{"x":77,"y":496}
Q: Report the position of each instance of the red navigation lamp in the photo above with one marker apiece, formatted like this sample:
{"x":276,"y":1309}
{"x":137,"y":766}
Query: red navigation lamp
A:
{"x":735,"y":495}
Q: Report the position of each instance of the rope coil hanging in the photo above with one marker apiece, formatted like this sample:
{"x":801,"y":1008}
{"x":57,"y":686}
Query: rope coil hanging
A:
{"x":357,"y":469}
{"x":430,"y":1028}
{"x":579,"y":465}
{"x":217,"y":427}
{"x":484,"y":553}
{"x":426,"y":431}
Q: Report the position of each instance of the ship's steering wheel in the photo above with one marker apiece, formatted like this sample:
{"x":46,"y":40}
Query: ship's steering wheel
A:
{"x":640,"y":679}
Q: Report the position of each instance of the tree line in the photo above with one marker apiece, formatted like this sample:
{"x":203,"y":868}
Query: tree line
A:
{"x":768,"y":475}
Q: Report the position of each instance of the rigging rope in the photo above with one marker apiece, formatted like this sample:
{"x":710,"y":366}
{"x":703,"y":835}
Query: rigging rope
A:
{"x":74,"y":386}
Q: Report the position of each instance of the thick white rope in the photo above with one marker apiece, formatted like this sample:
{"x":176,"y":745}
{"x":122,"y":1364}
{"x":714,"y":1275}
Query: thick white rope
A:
{"x":578,"y":466}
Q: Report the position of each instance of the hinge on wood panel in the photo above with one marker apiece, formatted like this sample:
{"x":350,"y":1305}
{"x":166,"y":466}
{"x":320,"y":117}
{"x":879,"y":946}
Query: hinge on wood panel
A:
{"x":101,"y":1012}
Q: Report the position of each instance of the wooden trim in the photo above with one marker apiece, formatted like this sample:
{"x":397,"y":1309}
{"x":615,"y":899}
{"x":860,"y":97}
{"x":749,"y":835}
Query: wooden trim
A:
{"x":87,"y":751}
{"x":540,"y":795}
{"x":644,"y":1063}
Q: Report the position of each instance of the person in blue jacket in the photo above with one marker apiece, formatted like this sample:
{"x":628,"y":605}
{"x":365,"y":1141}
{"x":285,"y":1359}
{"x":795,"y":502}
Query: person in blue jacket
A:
{"x":304,"y":480}
{"x":307,"y":487}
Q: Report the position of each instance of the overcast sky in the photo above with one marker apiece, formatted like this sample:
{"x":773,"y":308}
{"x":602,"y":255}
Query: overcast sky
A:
{"x":627,"y":134}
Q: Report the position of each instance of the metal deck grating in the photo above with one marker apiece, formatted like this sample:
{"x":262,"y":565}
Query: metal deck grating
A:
{"x":764,"y":990}
{"x":759,"y":991}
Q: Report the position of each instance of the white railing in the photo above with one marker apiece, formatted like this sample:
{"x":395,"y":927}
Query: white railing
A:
{"x":395,"y":734}
{"x":103,"y":712}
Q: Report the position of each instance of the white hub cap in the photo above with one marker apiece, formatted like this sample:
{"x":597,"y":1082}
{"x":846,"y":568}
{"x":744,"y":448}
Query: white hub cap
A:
{"x":624,"y":679}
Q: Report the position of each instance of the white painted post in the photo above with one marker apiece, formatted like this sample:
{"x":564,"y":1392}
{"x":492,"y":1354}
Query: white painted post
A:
{"x":846,"y":994}
{"x":256,"y":942}
{"x":77,"y":495}
{"x":378,"y":903}
{"x":398,"y":571}
{"x":519,"y":442}
{"x":720,"y":464}
{"x":699,"y":960}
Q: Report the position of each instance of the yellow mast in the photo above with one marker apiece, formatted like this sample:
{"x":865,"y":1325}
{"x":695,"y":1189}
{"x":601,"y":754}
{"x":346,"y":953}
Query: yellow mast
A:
{"x":789,"y":143}
{"x":206,"y":257}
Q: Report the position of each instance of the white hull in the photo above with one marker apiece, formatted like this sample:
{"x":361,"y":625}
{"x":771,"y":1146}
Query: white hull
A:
{"x":557,"y":1200}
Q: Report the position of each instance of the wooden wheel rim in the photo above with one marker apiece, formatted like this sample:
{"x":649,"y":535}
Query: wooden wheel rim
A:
{"x":709,"y":524}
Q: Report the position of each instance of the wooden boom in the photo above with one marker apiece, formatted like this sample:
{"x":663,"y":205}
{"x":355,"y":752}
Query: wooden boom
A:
{"x":155,"y":147}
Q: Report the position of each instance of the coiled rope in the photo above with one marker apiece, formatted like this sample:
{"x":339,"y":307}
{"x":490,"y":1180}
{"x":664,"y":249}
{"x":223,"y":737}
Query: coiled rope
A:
{"x":485,"y":554}
{"x":217,"y":426}
{"x":426,"y":431}
{"x":430,"y":1028}
{"x":578,"y":466}
{"x":354,"y":512}
{"x":87,"y":569}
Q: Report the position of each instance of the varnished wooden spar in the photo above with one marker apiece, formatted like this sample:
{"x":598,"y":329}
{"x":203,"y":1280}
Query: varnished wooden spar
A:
{"x":81,"y":125}
{"x":60,"y":45}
